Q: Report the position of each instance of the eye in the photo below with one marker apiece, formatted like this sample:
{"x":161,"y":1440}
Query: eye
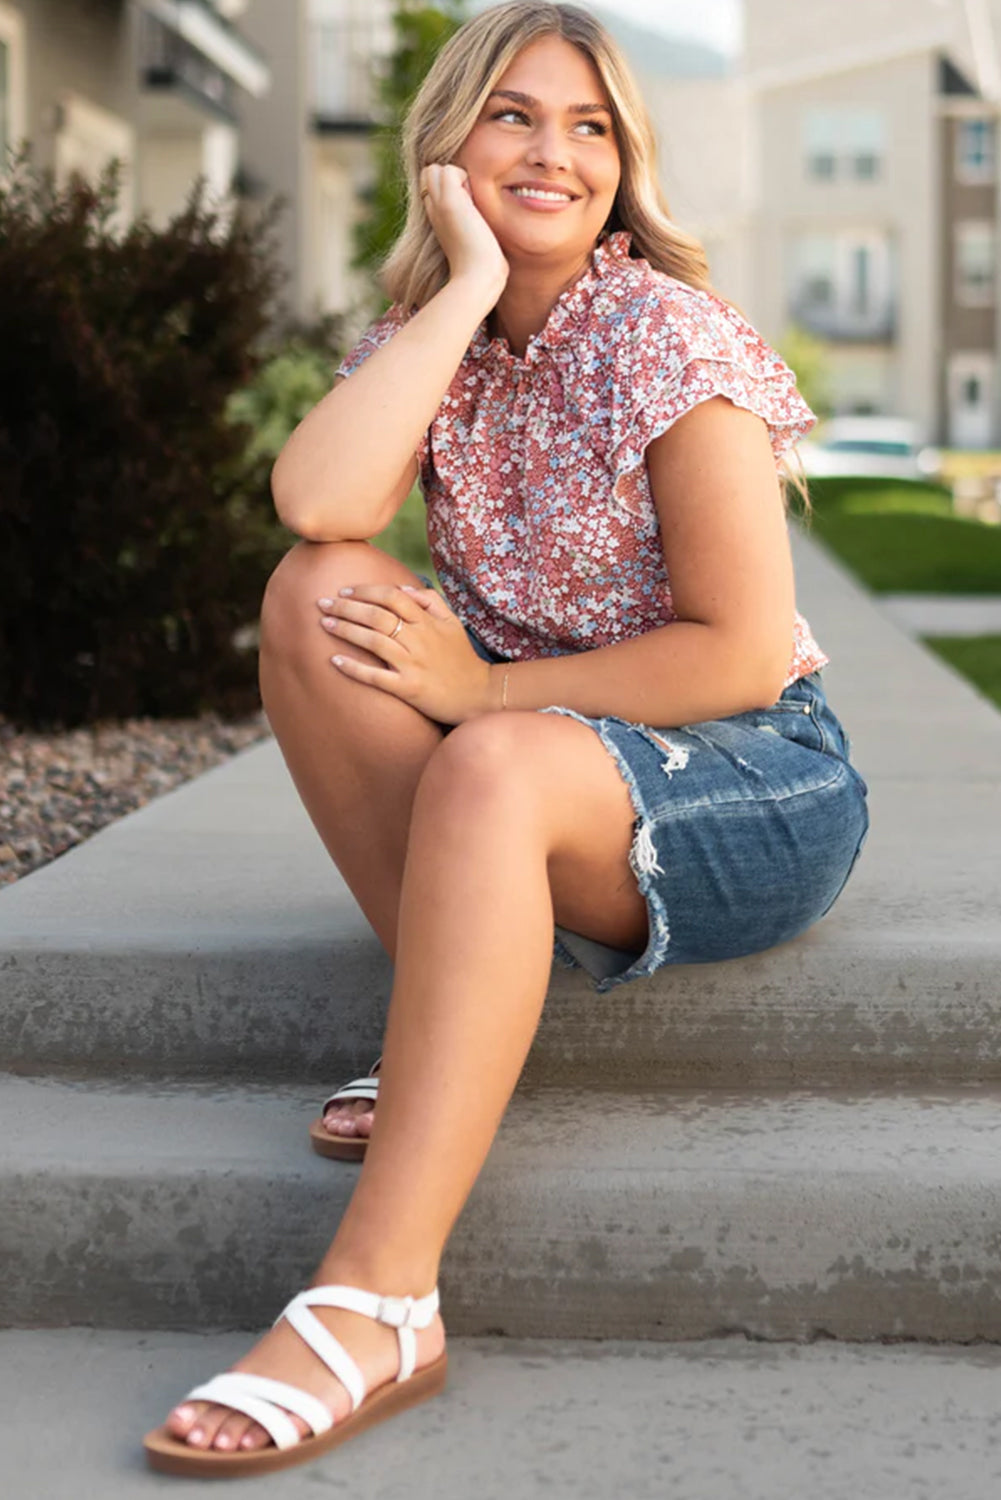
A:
{"x":597,"y":126}
{"x":502,"y":114}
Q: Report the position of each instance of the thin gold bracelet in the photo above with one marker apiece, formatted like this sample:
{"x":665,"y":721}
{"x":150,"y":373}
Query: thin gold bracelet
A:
{"x":504,"y":688}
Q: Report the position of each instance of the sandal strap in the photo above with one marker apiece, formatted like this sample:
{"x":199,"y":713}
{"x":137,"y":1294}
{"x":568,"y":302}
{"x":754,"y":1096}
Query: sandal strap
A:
{"x":361,"y":1088}
{"x":230,"y":1390}
{"x":329,"y":1350}
{"x":402,"y":1313}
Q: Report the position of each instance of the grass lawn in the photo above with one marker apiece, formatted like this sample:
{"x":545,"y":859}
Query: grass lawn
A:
{"x":977,"y":657}
{"x":902,"y":537}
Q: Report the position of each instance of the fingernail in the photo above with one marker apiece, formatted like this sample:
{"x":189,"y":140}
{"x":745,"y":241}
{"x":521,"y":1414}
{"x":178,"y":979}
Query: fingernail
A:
{"x":409,"y":588}
{"x":337,"y":660}
{"x":328,"y":624}
{"x":325,"y":603}
{"x":345,"y":591}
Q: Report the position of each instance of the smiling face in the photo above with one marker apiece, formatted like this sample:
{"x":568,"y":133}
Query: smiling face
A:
{"x":542,"y":158}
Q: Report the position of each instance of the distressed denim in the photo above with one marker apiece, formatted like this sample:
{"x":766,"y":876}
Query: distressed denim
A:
{"x":746,"y":830}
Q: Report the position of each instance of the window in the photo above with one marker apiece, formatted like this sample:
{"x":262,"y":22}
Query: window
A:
{"x":975,"y":268}
{"x":843,"y":284}
{"x":844,"y":143}
{"x":975,"y":150}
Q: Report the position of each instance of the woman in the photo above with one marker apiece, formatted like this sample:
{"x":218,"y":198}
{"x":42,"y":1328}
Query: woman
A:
{"x":587,"y":417}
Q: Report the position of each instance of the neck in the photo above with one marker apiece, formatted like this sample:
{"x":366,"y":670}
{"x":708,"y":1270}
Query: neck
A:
{"x":528,"y":299}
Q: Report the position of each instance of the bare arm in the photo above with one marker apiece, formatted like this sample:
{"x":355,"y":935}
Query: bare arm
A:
{"x":726,"y":547}
{"x":349,"y":465}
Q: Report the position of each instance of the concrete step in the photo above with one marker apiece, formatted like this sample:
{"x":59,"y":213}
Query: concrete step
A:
{"x":568,"y":1420}
{"x":209,"y":935}
{"x":664,"y":1215}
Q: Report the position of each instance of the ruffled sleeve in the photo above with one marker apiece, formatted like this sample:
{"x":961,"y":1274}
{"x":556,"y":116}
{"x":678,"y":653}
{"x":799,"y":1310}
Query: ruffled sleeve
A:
{"x":373,"y":338}
{"x":683,"y":347}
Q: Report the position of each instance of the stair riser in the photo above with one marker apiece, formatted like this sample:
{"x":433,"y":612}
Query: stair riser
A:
{"x":272,"y":1017}
{"x":618,"y":1255}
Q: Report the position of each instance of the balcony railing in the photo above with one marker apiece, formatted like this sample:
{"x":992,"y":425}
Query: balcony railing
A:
{"x":842,"y":325}
{"x":344,"y":62}
{"x":169,"y":61}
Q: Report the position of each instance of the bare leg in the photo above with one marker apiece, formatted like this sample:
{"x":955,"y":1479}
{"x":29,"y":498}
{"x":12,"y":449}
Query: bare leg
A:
{"x":356,"y":756}
{"x":513,"y":813}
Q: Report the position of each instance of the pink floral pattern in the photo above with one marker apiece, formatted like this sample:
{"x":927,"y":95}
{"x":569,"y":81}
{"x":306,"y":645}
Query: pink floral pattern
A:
{"x":541,"y":523}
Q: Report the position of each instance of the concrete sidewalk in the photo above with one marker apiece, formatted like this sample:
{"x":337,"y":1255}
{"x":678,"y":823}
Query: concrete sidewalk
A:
{"x":209,"y":934}
{"x":722,"y":1420}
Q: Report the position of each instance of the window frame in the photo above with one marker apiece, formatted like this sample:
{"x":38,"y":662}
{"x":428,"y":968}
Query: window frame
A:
{"x":967,"y":172}
{"x":965,"y":293}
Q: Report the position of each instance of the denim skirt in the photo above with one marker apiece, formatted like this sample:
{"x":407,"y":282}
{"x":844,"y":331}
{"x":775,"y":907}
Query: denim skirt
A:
{"x":745,"y":830}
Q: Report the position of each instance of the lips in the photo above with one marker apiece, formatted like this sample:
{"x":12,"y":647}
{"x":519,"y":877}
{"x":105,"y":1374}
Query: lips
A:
{"x":549,"y":191}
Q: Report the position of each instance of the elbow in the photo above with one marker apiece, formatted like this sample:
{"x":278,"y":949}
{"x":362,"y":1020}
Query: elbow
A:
{"x":312,"y":522}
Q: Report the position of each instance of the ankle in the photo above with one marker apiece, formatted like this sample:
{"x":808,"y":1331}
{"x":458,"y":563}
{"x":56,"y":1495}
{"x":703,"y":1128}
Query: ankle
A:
{"x":389,"y":1277}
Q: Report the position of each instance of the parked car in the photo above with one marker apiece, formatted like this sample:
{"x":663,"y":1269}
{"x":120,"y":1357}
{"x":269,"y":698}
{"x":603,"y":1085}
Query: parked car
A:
{"x":886,"y":446}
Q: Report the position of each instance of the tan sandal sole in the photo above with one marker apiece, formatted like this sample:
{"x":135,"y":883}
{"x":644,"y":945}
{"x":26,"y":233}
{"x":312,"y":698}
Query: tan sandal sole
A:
{"x":341,"y":1148}
{"x":170,"y":1456}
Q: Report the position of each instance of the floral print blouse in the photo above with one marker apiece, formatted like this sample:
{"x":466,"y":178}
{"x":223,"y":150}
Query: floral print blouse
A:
{"x":541,"y":523}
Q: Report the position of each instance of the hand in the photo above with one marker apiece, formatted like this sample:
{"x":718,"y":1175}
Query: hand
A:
{"x":470,"y":245}
{"x":429,"y":662}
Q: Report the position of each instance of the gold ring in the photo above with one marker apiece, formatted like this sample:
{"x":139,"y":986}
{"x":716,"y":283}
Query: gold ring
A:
{"x":396,"y":629}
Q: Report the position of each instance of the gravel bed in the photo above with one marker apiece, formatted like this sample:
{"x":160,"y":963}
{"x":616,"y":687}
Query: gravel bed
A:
{"x":58,"y":789}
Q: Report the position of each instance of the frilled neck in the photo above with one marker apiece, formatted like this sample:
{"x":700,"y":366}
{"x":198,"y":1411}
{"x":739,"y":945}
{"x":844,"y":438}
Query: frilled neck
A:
{"x":567,"y":314}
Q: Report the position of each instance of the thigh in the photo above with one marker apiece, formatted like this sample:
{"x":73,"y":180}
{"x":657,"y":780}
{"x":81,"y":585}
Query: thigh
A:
{"x":557,"y":773}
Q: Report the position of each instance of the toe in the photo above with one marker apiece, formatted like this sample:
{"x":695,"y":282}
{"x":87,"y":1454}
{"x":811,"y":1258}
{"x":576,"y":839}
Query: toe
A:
{"x":203,"y":1433}
{"x":364,"y":1123}
{"x":183,"y":1418}
{"x":254,"y":1438}
{"x":233,"y":1429}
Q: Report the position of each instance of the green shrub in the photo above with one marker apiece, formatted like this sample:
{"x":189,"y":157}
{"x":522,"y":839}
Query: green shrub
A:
{"x":135,"y":528}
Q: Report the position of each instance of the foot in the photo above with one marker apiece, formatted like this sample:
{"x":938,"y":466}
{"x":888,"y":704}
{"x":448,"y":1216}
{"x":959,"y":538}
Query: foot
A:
{"x":352,"y":1117}
{"x":282,"y":1355}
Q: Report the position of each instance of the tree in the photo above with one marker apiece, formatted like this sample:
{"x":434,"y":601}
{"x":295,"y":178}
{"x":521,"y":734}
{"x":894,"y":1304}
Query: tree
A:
{"x":420,"y":33}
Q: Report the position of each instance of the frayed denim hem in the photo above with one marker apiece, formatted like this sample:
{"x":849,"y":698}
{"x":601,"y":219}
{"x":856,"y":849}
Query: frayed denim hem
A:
{"x":644,"y":865}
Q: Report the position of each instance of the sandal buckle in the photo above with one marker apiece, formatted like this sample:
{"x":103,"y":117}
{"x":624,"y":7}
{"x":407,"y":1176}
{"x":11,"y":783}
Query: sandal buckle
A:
{"x":395,"y":1311}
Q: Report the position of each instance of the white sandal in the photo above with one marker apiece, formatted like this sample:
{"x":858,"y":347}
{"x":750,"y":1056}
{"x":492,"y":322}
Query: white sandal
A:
{"x":345,"y":1147}
{"x":268,"y":1402}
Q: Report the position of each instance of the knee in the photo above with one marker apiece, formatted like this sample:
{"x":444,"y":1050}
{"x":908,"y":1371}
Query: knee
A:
{"x":484,"y":762}
{"x":310,"y":571}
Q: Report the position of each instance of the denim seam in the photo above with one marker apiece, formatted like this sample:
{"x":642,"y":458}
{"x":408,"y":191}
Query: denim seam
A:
{"x":659,"y":939}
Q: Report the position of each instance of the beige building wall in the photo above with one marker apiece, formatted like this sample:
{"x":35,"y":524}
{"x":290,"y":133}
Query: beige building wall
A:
{"x":706,"y":155}
{"x":902,"y":202}
{"x":276,"y":136}
{"x":78,"y":86}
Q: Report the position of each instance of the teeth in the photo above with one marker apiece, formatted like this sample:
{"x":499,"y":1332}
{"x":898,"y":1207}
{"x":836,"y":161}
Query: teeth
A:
{"x":541,"y":193}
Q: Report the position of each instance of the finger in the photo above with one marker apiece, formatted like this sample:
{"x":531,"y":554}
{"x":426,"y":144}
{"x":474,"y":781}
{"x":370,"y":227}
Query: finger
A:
{"x":377,"y":677}
{"x":389,"y":595}
{"x":386,"y":647}
{"x":375,"y":616}
{"x":431,"y":601}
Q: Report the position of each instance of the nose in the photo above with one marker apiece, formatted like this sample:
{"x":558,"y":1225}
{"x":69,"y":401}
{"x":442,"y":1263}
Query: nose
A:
{"x":549,"y":147}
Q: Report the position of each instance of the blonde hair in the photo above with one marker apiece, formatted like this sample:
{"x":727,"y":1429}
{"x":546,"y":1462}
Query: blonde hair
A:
{"x":448,"y":105}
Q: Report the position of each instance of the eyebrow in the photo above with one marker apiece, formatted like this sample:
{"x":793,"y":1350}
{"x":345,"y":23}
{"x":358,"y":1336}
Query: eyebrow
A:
{"x":573,"y":109}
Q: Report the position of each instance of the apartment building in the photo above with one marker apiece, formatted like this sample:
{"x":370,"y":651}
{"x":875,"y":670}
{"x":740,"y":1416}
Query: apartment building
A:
{"x":876,"y":198}
{"x":156,"y":84}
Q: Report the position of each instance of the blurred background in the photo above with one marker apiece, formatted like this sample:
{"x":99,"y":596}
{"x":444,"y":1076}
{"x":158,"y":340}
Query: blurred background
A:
{"x":195,"y":196}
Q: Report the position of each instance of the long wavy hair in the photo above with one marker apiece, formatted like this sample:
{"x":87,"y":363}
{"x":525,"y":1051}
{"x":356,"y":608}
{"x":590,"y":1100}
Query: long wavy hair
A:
{"x":448,"y":104}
